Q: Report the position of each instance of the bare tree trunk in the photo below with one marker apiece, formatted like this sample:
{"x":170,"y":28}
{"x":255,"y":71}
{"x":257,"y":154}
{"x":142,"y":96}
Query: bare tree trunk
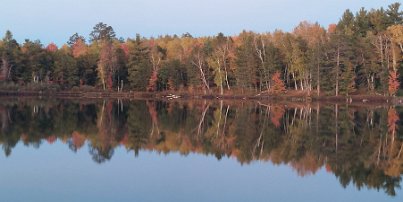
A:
{"x":261,"y":54}
{"x":219,"y":119}
{"x":295,"y":81}
{"x":220,"y":75}
{"x":318,"y":82}
{"x":225,"y":120}
{"x":200,"y":125}
{"x":394,"y":57}
{"x":317,"y":118}
{"x":337,"y":70}
{"x":199,"y":65}
{"x":337,"y":125}
{"x":226,"y":50}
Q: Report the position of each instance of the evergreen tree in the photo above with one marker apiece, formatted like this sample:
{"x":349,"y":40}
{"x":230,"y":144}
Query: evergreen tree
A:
{"x":139,"y":66}
{"x":394,"y":14}
{"x":9,"y":53}
{"x":246,"y":62}
{"x":102,"y":32}
{"x":66,"y":71}
{"x":347,"y":83}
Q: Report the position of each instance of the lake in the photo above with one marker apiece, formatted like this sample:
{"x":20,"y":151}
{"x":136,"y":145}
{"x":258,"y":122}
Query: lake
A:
{"x":200,"y":150}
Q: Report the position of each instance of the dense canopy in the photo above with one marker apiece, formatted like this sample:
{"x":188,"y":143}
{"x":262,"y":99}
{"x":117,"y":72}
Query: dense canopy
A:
{"x":362,"y":53}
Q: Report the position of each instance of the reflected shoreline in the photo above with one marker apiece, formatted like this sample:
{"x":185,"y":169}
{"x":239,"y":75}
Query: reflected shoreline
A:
{"x":361,"y":145}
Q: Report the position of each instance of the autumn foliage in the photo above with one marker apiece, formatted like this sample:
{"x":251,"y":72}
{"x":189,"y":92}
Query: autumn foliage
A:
{"x":393,"y":82}
{"x":393,"y":118}
{"x":360,"y":53}
{"x":152,"y":83}
{"x":79,"y":48}
{"x":276,"y":116}
{"x":51,"y":47}
{"x":278,"y":85}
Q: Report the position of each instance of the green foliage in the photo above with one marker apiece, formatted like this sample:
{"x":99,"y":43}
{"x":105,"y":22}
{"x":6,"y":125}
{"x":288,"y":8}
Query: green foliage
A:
{"x":172,"y":75}
{"x":346,"y":141}
{"x":139,"y":65}
{"x":246,"y":62}
{"x":74,"y":38}
{"x":66,"y":71}
{"x":102,"y":32}
{"x":87,"y":65}
{"x":356,"y":53}
{"x":347,"y":83}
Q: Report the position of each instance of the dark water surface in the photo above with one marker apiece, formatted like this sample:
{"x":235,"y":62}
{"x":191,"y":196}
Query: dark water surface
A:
{"x":96,"y":150}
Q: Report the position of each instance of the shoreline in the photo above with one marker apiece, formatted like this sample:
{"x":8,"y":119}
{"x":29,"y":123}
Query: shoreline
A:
{"x":359,"y":98}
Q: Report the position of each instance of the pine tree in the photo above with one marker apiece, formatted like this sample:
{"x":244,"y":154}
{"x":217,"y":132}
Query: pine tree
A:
{"x":347,"y":83}
{"x":66,"y":71}
{"x":246,"y":62}
{"x":139,"y":66}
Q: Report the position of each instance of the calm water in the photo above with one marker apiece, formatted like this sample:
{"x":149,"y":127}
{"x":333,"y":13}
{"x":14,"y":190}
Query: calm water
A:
{"x":60,"y":150}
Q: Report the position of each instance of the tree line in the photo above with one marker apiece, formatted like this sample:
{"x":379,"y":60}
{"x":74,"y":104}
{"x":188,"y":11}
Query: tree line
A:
{"x":362,"y":53}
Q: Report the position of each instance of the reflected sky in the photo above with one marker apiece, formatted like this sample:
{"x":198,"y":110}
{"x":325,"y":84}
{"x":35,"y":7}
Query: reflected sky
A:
{"x":54,"y":173}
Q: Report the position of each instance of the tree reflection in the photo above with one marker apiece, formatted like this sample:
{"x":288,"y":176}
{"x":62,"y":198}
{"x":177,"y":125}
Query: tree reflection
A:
{"x":360,"y":145}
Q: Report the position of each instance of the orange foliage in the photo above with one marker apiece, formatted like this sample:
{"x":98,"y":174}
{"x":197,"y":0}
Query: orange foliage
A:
{"x":109,"y":82}
{"x":278,"y":84}
{"x":125,"y":49}
{"x":78,"y":140}
{"x":79,"y":48}
{"x":152,"y":83}
{"x":328,"y":168}
{"x":125,"y":139}
{"x":277,"y":114}
{"x":51,"y":139}
{"x":393,"y":118}
{"x":51,"y":47}
{"x":332,"y":28}
{"x":393,"y":82}
{"x":307,"y":165}
{"x":312,"y":33}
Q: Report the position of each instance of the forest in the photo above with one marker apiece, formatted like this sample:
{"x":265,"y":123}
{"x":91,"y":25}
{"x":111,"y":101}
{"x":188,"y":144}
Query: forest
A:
{"x":360,"y":54}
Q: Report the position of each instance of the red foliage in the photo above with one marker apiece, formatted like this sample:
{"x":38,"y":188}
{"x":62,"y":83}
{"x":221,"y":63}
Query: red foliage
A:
{"x":51,"y":139}
{"x":51,"y":47}
{"x":277,"y":114}
{"x":393,"y":118}
{"x":328,"y":168}
{"x":332,"y":28}
{"x":393,"y":82}
{"x":125,"y":139}
{"x":278,"y":84}
{"x":79,"y":48}
{"x":109,"y":82}
{"x":125,"y":49}
{"x":153,"y":112}
{"x":78,"y":140}
{"x":152,"y":83}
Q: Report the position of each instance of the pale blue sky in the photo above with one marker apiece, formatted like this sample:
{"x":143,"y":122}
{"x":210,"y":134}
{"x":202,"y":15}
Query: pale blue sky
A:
{"x":56,"y":20}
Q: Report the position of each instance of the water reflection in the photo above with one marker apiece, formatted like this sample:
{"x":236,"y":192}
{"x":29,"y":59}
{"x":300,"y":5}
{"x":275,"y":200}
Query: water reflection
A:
{"x":359,"y":145}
